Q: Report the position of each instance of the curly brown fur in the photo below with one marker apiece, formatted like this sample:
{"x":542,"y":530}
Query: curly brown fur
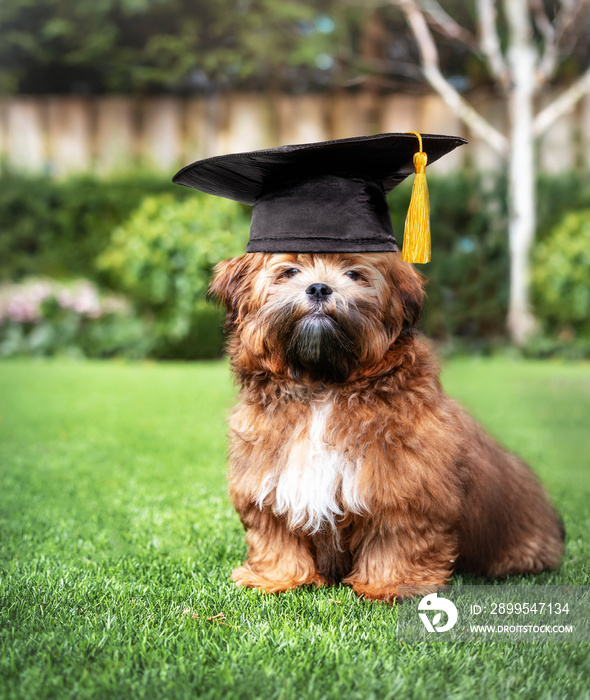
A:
{"x":348,"y":462}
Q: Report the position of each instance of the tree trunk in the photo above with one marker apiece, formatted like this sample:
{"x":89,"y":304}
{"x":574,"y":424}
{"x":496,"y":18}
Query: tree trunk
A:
{"x":521,"y":59}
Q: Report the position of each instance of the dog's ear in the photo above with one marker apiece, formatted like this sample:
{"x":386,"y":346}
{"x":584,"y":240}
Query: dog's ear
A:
{"x":230,"y":286}
{"x":410,"y":290}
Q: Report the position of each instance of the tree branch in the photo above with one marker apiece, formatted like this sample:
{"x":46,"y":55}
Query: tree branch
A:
{"x":430,"y":65}
{"x":562,"y":105}
{"x":570,"y":9}
{"x":490,"y":42}
{"x":548,"y":63}
{"x":440,"y":19}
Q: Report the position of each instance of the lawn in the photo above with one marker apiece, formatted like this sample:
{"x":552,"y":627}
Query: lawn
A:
{"x":117,"y":541}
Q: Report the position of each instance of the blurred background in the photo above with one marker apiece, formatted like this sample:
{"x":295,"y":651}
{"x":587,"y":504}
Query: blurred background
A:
{"x":101,"y":102}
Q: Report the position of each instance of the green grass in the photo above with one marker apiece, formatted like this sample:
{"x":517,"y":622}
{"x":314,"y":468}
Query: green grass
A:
{"x":114,"y":522}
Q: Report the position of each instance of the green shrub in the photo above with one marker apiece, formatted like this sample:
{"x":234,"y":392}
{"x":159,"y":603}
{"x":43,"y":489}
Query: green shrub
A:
{"x":58,"y":228}
{"x":162,"y":258}
{"x":556,"y":196}
{"x":561,"y":279}
{"x":563,"y":346}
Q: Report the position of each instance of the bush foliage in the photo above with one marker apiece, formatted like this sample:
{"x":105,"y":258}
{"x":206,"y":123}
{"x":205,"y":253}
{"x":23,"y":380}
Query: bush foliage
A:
{"x":162,"y":257}
{"x":58,"y":228}
{"x":561,"y":280}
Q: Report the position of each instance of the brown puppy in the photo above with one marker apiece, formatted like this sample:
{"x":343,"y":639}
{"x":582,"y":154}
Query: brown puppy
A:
{"x":348,"y":462}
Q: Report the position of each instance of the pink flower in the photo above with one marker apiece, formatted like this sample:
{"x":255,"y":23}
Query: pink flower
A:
{"x":22,"y":302}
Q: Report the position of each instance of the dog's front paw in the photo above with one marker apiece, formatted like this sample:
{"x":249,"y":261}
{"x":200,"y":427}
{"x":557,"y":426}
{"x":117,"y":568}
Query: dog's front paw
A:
{"x":248,"y":577}
{"x":386,"y":593}
{"x":392,"y":592}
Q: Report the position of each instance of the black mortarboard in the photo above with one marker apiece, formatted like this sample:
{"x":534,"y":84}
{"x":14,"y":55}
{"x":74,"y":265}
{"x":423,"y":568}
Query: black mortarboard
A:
{"x":327,"y":197}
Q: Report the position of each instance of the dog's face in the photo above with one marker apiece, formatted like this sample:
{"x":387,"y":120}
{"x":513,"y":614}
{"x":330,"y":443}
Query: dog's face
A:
{"x":318,"y":317}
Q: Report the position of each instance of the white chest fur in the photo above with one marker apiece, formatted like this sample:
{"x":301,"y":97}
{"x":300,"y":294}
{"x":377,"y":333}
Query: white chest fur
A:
{"x":314,"y":483}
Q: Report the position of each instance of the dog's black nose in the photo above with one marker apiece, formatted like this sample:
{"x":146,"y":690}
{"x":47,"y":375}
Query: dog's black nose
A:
{"x":318,"y":291}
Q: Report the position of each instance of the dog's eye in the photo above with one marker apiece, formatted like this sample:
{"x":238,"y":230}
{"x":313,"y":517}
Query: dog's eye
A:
{"x":354,"y":275}
{"x":291,"y":272}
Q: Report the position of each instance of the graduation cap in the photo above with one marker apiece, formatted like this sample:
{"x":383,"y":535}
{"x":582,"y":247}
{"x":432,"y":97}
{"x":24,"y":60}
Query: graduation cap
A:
{"x":327,"y":197}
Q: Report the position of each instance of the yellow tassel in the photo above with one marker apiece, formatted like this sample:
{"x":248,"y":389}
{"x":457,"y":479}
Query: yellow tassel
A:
{"x":417,"y":231}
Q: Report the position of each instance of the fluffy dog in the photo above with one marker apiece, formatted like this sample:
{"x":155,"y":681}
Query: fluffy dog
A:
{"x":348,"y":463}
